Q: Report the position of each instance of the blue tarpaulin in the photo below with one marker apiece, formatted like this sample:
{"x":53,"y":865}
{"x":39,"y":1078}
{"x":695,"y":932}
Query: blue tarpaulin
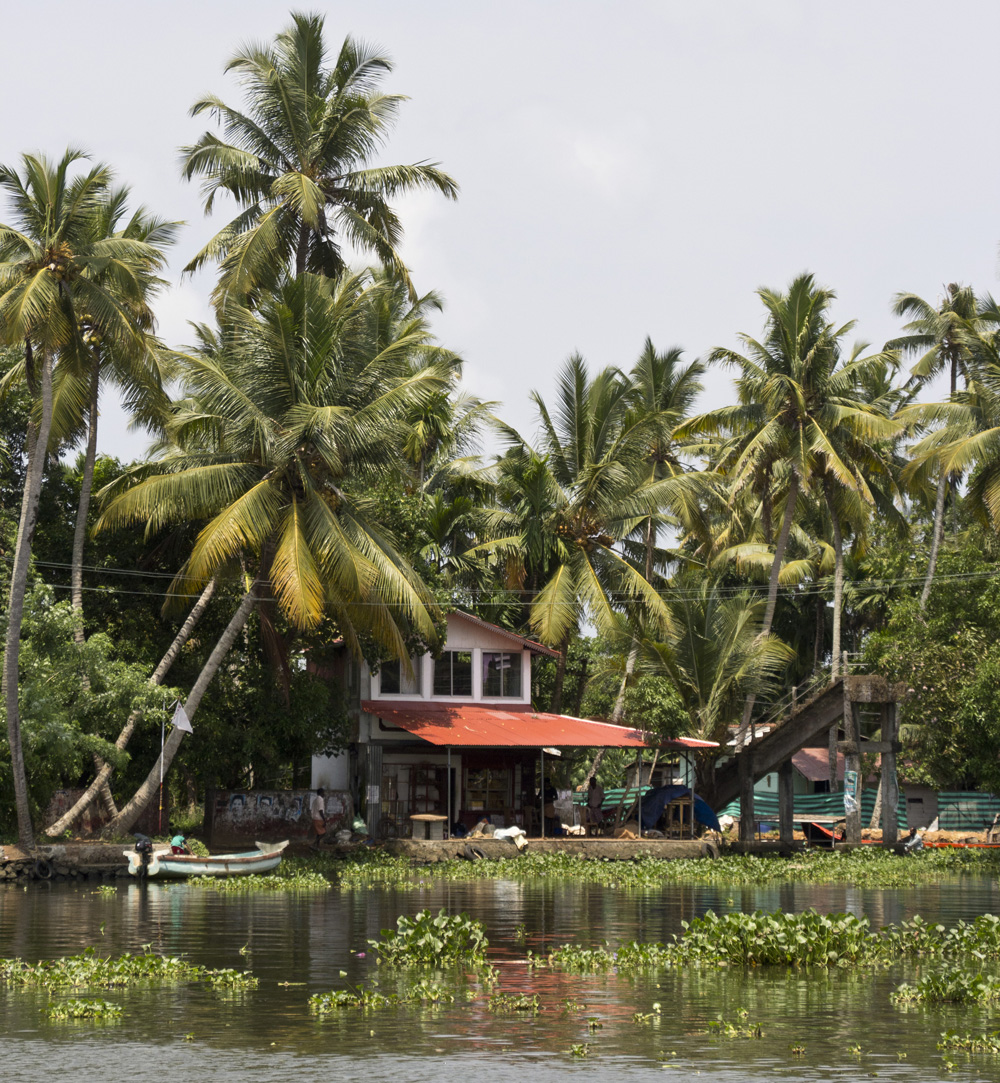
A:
{"x":655,"y":801}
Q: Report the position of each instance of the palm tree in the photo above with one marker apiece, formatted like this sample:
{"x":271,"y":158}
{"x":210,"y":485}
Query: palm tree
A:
{"x":663,"y":391}
{"x":799,"y":411}
{"x":51,"y":269}
{"x":944,"y":338}
{"x":715,"y":656}
{"x":585,"y":492}
{"x":296,"y":160}
{"x":286,"y":415}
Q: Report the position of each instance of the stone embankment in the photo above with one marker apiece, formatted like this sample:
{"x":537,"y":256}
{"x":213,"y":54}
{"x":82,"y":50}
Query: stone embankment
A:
{"x":593,"y":849}
{"x":63,"y":861}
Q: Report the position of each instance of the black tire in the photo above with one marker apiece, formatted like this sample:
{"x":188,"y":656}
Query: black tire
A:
{"x":43,"y":869}
{"x":473,"y":853}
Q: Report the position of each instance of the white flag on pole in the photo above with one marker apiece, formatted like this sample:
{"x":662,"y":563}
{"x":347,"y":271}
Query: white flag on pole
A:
{"x":180,"y":721}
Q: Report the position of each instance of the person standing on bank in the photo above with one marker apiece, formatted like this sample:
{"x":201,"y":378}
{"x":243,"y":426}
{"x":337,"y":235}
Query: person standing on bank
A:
{"x":549,"y":798}
{"x":595,"y":803}
{"x":317,"y":811}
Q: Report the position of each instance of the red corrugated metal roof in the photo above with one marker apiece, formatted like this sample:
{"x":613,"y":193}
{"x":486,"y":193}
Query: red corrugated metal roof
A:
{"x":814,"y":764}
{"x":517,"y":726}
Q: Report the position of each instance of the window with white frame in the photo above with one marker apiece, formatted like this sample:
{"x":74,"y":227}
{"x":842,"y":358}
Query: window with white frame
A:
{"x":395,"y":681}
{"x":453,"y":674}
{"x":501,"y":674}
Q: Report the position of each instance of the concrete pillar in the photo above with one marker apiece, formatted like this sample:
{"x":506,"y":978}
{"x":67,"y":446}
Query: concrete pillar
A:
{"x":745,"y":762}
{"x":786,"y":802}
{"x":852,"y":763}
{"x":890,"y":783}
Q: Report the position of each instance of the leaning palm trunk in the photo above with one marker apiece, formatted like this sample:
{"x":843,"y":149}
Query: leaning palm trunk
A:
{"x":65,"y":822}
{"x":125,"y":819}
{"x":38,"y":446}
{"x":876,"y":819}
{"x":938,"y":532}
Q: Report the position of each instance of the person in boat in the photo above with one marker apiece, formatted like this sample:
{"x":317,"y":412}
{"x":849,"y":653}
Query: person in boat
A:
{"x":317,"y":811}
{"x":595,"y":803}
{"x":178,"y":845}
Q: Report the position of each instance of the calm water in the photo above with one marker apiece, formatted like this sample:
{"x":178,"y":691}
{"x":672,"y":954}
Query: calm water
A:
{"x":187,"y":1032}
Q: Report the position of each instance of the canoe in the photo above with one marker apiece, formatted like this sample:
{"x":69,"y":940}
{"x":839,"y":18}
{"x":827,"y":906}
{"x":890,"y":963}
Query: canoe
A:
{"x":163,"y":864}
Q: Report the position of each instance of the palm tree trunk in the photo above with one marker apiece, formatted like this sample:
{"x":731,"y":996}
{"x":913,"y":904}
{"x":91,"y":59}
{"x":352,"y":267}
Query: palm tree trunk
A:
{"x":38,"y":449}
{"x":83,"y":508}
{"x":938,"y":531}
{"x":79,"y":539}
{"x":876,"y":819}
{"x":66,"y":821}
{"x":126,"y":819}
{"x":746,"y":822}
{"x":838,"y":580}
{"x":772,"y":595}
{"x":557,"y":692}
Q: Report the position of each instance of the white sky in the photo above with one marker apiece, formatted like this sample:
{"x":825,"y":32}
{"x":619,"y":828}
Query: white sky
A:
{"x":626,"y":170}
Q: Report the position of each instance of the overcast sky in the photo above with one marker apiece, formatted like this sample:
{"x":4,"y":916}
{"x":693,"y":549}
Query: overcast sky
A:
{"x":626,"y":170}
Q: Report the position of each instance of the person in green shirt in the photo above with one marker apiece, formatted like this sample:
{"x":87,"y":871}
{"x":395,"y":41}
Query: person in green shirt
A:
{"x":178,"y":845}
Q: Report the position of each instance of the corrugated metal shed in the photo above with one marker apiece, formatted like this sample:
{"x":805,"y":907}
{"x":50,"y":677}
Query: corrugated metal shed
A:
{"x":469,"y":725}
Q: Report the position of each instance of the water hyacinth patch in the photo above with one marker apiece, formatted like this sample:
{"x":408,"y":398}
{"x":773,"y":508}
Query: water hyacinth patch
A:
{"x":447,"y":938}
{"x":359,"y":998}
{"x":295,"y":881}
{"x":90,"y":970}
{"x":102,"y":1011}
{"x":866,"y":867}
{"x":970,"y":1043}
{"x":950,"y":988}
{"x":503,"y":1003}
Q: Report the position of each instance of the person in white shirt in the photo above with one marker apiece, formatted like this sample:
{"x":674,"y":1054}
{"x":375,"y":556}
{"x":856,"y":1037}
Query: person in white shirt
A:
{"x":317,"y":811}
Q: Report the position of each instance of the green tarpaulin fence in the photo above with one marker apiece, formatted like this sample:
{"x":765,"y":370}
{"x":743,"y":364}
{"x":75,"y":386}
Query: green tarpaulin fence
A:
{"x":765,"y":806}
{"x":966,"y":811}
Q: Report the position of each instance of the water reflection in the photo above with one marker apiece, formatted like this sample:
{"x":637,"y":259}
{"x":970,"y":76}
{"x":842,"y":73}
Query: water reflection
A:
{"x":297,"y":946}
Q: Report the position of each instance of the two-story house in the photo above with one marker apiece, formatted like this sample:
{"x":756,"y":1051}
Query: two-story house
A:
{"x":456,"y":735}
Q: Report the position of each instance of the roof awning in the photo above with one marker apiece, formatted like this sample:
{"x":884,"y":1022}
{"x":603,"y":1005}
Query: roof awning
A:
{"x":463,"y":725}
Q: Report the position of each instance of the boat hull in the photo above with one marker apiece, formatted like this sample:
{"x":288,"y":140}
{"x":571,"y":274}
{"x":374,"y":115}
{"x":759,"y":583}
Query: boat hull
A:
{"x":163,"y":865}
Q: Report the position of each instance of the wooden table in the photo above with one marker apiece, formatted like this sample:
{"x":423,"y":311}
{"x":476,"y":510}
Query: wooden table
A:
{"x":428,"y":825}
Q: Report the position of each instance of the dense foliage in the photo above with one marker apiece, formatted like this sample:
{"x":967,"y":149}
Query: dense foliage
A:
{"x":318,"y":469}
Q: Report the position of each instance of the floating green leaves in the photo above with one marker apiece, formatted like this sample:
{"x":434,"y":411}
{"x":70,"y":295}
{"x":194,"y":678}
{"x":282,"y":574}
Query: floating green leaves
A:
{"x":89,"y":970}
{"x":101,"y":1011}
{"x":297,"y":881}
{"x":423,"y":939}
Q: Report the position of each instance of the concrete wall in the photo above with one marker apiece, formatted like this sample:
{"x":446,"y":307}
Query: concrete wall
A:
{"x":94,"y":818}
{"x":269,"y":815}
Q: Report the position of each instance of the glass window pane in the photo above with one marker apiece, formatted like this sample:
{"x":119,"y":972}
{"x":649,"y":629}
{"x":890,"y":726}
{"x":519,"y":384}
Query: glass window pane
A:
{"x":492,"y":674}
{"x":389,"y":682}
{"x":461,"y":673}
{"x":512,"y":675}
{"x":442,"y":675}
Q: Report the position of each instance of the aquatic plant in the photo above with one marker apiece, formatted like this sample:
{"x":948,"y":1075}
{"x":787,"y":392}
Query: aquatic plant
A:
{"x":578,"y":959}
{"x":865,"y":867}
{"x":725,"y":1028}
{"x":103,"y":1011}
{"x":971,"y":1043}
{"x":954,"y":987}
{"x":446,"y":938}
{"x":90,"y":970}
{"x":779,"y":939}
{"x":513,"y":1002}
{"x":297,"y":880}
{"x":359,"y":998}
{"x":107,"y":890}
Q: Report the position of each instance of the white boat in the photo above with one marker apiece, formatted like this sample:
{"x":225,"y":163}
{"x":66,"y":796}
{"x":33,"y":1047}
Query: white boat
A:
{"x":164,"y":864}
